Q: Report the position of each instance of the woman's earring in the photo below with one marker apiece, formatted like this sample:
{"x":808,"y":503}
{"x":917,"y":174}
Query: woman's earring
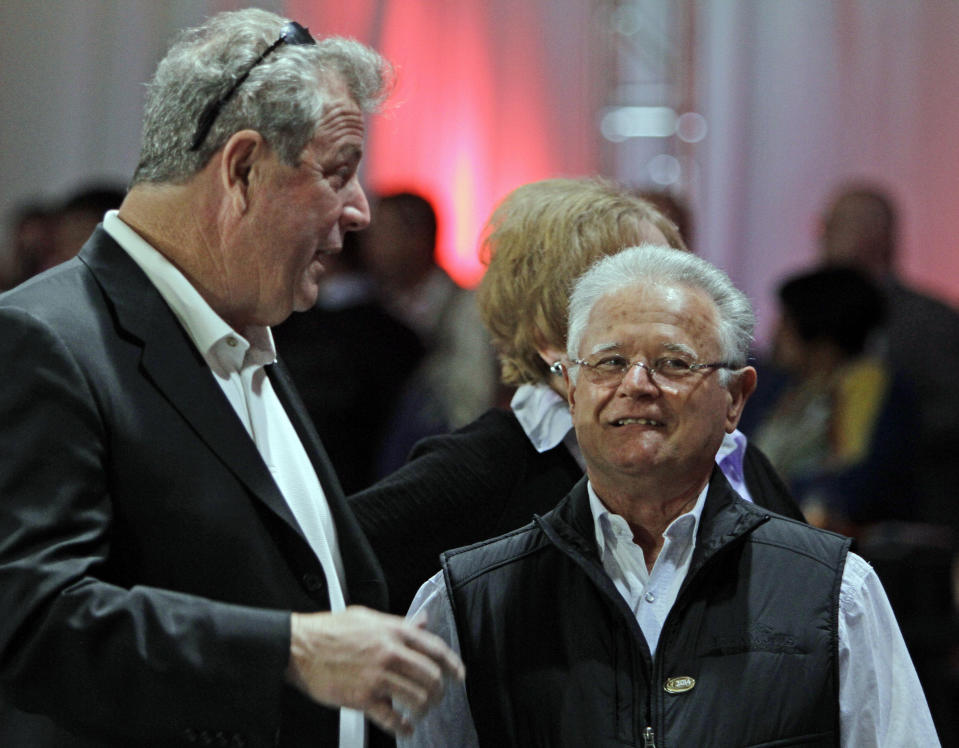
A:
{"x":556,"y":368}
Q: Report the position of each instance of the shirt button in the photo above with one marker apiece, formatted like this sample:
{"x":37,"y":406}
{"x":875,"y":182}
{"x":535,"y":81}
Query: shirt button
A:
{"x":649,"y":597}
{"x":313,"y":582}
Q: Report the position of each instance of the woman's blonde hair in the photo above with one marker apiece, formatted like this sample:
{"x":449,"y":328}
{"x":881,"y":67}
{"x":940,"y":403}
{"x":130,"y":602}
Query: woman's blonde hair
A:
{"x":540,"y":238}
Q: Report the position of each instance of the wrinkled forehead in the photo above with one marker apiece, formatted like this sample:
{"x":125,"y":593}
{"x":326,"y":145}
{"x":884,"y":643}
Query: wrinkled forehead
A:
{"x":658,"y":315}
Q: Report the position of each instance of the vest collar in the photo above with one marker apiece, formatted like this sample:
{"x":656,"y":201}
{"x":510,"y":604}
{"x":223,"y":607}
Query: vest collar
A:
{"x":726,"y":518}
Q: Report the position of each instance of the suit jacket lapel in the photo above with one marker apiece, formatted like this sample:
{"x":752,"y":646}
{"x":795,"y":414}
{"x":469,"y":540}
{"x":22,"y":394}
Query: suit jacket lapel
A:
{"x":176,"y":368}
{"x":366,"y":584}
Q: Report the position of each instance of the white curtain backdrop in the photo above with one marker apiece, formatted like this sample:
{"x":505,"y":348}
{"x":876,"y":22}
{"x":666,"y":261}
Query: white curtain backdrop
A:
{"x":71,"y":81}
{"x":801,"y":95}
{"x":490,"y":95}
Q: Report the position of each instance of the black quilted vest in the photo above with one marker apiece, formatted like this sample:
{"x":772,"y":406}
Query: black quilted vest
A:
{"x":748,"y":655}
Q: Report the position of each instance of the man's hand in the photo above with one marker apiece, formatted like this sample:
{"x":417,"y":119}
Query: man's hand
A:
{"x":362,"y":659}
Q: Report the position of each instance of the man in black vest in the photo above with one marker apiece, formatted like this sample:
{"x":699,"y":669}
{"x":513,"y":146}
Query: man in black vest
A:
{"x":178,"y":563}
{"x":654,"y":606}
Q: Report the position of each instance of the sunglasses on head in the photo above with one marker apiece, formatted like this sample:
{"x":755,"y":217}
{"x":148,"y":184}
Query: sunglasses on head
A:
{"x":292,"y":33}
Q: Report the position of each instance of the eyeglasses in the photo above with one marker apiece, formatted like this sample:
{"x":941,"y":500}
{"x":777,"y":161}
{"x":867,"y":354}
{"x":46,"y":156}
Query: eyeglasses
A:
{"x":609,"y":369}
{"x":292,"y":33}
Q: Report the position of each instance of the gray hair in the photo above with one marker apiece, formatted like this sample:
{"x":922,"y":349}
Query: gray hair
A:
{"x":283,"y":98}
{"x":664,"y":265}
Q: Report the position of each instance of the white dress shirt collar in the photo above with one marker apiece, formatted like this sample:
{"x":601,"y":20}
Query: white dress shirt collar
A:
{"x":607,"y":524}
{"x":730,"y":459}
{"x":649,"y":593}
{"x":221,"y":345}
{"x":543,"y":413}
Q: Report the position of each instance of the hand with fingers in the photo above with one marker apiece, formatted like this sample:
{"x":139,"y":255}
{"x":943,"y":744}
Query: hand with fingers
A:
{"x":389,"y":668}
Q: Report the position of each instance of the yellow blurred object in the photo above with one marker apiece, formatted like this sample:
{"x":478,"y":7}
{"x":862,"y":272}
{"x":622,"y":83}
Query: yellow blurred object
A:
{"x":860,"y":390}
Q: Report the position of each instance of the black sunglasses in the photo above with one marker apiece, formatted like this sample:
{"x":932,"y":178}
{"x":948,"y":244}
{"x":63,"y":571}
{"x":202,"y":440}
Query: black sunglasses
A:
{"x":292,"y":33}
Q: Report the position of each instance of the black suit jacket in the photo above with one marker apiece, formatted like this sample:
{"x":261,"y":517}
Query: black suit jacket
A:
{"x":148,"y":562}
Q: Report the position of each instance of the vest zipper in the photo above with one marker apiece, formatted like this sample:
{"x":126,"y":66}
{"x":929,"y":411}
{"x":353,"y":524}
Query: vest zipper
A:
{"x":649,"y":738}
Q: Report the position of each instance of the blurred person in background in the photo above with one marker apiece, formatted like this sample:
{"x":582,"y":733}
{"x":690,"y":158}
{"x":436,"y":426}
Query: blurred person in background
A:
{"x":456,"y":380}
{"x":31,"y":243}
{"x":836,"y":432}
{"x":77,"y":217}
{"x":920,"y":338}
{"x":46,"y":235}
{"x":495,"y":473}
{"x":350,"y":404}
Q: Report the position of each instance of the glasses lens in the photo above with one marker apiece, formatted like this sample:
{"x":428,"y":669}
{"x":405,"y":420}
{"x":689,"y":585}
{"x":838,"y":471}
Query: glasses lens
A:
{"x":603,"y":376}
{"x":672,"y":368}
{"x":606,"y":370}
{"x":610,"y":370}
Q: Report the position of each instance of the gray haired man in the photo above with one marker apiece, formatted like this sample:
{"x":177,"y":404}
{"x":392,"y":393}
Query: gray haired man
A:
{"x":177,"y":561}
{"x":653,"y":605}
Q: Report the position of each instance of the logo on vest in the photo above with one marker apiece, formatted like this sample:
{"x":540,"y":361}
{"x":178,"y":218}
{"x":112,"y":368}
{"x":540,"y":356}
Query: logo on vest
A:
{"x":680,"y":684}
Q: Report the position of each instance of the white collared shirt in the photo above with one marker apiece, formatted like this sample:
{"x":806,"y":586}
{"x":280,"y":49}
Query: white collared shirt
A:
{"x":649,"y":594}
{"x":237,"y":364}
{"x":544,"y":415}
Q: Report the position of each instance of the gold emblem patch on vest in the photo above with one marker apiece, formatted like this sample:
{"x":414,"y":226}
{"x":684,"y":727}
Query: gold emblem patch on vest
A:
{"x":680,"y":684}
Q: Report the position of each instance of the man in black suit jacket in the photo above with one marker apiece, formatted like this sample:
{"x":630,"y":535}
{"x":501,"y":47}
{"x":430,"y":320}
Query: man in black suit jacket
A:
{"x":177,"y":561}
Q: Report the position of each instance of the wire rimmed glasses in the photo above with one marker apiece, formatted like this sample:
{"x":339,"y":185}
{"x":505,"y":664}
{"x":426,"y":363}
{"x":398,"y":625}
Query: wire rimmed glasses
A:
{"x":609,"y":369}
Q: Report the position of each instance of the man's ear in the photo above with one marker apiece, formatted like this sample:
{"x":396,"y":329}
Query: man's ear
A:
{"x":570,"y":389}
{"x":239,"y":156}
{"x":741,"y":386}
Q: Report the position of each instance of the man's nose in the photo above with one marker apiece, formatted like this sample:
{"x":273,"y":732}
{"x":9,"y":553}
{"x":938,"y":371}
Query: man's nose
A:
{"x":640,"y":377}
{"x":356,"y":209}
